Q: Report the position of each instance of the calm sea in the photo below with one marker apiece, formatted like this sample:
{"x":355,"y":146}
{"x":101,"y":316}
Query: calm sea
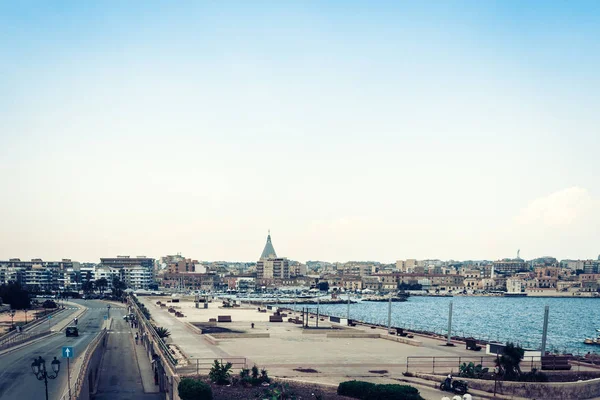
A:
{"x":517,"y":319}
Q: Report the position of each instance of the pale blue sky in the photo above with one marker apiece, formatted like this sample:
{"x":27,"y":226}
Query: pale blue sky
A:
{"x":353,"y":130}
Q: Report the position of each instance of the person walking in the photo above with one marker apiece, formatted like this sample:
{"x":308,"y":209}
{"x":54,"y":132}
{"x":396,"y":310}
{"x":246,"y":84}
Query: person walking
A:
{"x":137,"y":337}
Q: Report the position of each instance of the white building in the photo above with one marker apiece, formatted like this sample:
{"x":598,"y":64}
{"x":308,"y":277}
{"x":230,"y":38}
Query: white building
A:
{"x":514,"y":285}
{"x":137,"y":277}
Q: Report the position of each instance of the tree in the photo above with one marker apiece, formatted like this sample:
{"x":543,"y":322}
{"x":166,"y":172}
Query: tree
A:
{"x":510,"y":360}
{"x":49,"y":304}
{"x":324,"y":286}
{"x":162,"y":332}
{"x":88,"y":285}
{"x":118,"y":286}
{"x":193,"y":389}
{"x":101,"y":284}
{"x":13,"y":294}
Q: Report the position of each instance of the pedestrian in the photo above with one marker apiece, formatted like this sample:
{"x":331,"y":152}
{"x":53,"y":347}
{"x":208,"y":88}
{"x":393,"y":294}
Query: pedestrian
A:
{"x":136,"y":338}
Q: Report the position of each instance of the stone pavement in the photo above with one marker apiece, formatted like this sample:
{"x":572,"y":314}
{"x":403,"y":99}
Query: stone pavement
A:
{"x":289,"y":348}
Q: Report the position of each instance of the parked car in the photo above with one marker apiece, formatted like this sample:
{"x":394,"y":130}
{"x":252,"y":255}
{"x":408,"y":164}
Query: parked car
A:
{"x":72,"y":331}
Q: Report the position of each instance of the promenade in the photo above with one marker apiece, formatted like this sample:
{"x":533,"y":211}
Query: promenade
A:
{"x":290,"y":352}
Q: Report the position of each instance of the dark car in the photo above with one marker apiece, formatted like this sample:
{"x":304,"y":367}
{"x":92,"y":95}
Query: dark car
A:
{"x":72,"y":331}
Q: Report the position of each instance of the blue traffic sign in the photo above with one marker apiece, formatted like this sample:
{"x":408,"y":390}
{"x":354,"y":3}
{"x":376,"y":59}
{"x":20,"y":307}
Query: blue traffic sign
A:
{"x":49,"y":316}
{"x":105,"y":317}
{"x":67,"y":352}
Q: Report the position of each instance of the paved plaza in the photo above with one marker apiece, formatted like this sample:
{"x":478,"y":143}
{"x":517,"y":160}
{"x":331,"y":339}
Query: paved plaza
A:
{"x":290,"y":348}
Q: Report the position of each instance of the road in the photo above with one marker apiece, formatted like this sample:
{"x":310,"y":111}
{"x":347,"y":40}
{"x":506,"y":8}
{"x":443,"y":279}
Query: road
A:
{"x":16,"y":378}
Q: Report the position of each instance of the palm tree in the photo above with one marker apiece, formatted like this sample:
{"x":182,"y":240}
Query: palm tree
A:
{"x":509,"y":362}
{"x":162,"y":333}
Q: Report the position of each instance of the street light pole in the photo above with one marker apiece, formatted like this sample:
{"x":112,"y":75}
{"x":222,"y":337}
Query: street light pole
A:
{"x":38,"y":367}
{"x":12,"y":318}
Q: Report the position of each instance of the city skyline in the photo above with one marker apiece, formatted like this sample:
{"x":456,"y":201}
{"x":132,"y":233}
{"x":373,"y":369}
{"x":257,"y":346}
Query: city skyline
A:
{"x":363,"y":131}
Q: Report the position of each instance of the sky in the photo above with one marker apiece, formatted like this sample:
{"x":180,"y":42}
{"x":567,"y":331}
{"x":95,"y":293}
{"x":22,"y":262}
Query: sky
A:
{"x":371,"y":130}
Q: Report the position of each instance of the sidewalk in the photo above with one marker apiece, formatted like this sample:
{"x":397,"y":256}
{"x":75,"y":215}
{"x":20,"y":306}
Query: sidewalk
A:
{"x":144,"y":366}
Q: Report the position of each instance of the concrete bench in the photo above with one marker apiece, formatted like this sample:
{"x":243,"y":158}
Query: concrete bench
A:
{"x":224,"y":318}
{"x":556,"y":363}
{"x":275,"y":318}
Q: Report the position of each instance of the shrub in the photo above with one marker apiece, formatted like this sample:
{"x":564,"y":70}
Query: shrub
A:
{"x":471,"y":370}
{"x":279,"y":392}
{"x":49,"y":304}
{"x":533,"y":376}
{"x":356,"y":389}
{"x":192,"y":389}
{"x":370,"y":391}
{"x":220,"y":373}
{"x":253,"y":378}
{"x":400,"y":392}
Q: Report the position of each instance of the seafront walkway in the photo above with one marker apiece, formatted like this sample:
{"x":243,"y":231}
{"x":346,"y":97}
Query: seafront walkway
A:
{"x":290,"y":352}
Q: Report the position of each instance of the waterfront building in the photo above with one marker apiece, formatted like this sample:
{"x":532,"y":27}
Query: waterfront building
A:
{"x":270,"y":267}
{"x":514,"y":285}
{"x":508,"y":266}
{"x":126,"y":261}
{"x":190,"y":281}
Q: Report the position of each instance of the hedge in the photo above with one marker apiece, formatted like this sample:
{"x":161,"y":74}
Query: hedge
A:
{"x":370,"y":391}
{"x":193,"y":389}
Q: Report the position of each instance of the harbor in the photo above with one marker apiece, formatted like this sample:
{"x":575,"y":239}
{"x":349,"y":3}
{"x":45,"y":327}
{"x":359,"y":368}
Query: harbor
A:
{"x":486,"y":318}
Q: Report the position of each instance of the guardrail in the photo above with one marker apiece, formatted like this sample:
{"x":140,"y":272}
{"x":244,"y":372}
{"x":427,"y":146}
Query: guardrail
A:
{"x":445,"y":365}
{"x":7,"y":336}
{"x":21,"y":338}
{"x":198,"y":365}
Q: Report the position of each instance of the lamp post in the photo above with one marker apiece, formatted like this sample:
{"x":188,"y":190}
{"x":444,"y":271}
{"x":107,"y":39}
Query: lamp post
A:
{"x":108,"y":311}
{"x":25,"y":311}
{"x":38,"y":367}
{"x":12,"y":318}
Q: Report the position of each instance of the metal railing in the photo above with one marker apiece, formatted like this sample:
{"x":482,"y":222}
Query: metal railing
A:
{"x":445,"y":365}
{"x":201,"y":366}
{"x":21,"y":338}
{"x":35,"y":322}
{"x":163,"y":348}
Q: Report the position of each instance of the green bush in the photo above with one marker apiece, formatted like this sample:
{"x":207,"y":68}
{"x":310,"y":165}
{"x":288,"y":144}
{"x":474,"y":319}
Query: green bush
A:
{"x":370,"y":391}
{"x":356,"y":389}
{"x":220,"y":373}
{"x":389,"y":392}
{"x":192,"y":389}
{"x":471,"y":370}
{"x":533,"y":376}
{"x":253,"y":378}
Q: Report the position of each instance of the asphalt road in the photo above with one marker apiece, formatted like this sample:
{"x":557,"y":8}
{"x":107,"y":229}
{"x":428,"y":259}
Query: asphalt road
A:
{"x":16,"y":378}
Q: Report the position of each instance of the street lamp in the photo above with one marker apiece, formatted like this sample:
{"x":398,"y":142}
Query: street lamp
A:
{"x":108,"y":311}
{"x":25,"y":311}
{"x":38,"y":367}
{"x":12,"y":318}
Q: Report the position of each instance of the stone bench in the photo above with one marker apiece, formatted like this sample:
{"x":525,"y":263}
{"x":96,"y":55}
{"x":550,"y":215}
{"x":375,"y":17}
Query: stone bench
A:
{"x":556,"y":363}
{"x":275,"y":318}
{"x":224,"y":318}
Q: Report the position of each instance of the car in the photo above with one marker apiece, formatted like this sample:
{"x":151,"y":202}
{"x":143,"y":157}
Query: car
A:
{"x":72,"y":331}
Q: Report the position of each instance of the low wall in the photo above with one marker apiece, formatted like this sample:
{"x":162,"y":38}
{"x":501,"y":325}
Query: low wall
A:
{"x":400,"y":339}
{"x":556,"y":391}
{"x":354,"y":335}
{"x":87,"y":379}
